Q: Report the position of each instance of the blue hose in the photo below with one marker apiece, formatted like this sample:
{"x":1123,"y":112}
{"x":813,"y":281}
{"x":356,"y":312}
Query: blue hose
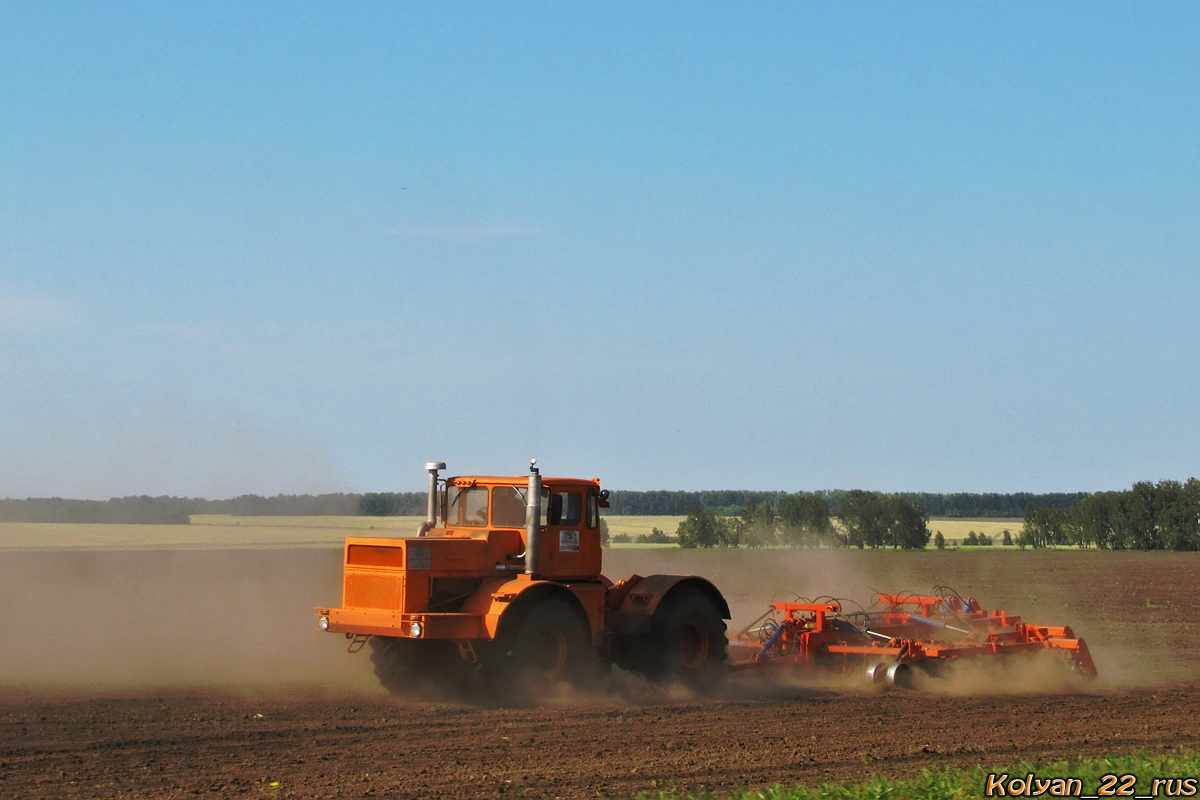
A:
{"x":771,"y":641}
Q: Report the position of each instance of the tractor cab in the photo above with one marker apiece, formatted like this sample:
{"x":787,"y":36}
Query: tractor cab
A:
{"x":496,"y":508}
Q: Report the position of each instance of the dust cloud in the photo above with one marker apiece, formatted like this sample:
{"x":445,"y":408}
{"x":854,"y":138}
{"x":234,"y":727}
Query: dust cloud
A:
{"x":752,"y":579}
{"x":116,"y":619}
{"x":230,"y":618}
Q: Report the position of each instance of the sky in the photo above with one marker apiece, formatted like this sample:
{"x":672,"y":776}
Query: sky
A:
{"x":307,"y":247}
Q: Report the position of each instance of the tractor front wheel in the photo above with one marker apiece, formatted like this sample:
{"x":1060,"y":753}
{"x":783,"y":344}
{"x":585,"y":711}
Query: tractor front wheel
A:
{"x":428,"y":670}
{"x":541,"y":645}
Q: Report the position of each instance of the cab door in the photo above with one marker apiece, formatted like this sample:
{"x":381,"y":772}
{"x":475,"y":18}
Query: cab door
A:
{"x":571,"y":537}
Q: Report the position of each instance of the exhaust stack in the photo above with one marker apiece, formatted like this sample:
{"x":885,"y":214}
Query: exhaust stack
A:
{"x":431,"y":505}
{"x":533,"y":519}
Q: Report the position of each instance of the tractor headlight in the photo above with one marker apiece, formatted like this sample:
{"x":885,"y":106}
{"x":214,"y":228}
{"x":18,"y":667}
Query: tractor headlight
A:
{"x":323,"y":622}
{"x":415,"y":630}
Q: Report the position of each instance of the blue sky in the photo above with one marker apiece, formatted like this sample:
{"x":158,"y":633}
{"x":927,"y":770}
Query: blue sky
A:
{"x":307,"y":247}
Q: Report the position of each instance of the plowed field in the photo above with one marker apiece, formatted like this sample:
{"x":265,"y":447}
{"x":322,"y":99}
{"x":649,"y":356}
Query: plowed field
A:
{"x":182,"y":673}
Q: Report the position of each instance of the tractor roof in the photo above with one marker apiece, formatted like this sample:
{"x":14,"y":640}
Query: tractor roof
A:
{"x":517,"y":480}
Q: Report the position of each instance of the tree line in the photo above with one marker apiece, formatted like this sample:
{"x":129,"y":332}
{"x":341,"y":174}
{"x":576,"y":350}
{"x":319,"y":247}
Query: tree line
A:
{"x":805,"y":519}
{"x":967,"y":505}
{"x":964,"y":505}
{"x":1148,"y":516}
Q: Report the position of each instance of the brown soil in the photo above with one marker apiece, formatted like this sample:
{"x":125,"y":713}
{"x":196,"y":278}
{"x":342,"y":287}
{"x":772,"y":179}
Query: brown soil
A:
{"x":176,"y":745}
{"x":164,"y":674}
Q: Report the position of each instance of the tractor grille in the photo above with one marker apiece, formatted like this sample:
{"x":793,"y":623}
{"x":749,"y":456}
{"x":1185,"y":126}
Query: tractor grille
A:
{"x":373,"y":590}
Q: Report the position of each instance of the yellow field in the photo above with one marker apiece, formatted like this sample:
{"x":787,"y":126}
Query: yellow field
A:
{"x":636,"y":526}
{"x":957,"y":529}
{"x":224,"y":530}
{"x":209,"y":530}
{"x":221,"y":530}
{"x":341,"y":523}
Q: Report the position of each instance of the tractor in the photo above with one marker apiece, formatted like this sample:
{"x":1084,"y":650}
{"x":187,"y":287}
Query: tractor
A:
{"x":500,"y":591}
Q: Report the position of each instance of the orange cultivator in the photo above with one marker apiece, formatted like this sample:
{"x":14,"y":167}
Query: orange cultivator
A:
{"x":907,"y":632}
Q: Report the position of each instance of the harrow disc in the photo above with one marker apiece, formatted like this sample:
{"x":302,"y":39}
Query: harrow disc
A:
{"x":900,"y":675}
{"x":877,"y":673}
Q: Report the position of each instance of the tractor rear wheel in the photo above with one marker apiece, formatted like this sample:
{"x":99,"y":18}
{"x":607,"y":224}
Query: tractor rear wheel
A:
{"x":688,"y":635}
{"x":539,"y":646}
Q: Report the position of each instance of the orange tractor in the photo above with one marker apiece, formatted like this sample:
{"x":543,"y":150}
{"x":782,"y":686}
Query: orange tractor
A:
{"x":500,"y":591}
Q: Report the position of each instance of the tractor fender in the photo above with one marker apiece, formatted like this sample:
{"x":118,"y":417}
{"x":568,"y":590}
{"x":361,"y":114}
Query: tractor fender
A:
{"x":647,"y":594}
{"x":497,"y":598}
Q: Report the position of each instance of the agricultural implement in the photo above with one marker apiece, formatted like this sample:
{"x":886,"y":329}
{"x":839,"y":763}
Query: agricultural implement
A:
{"x":901,"y":636}
{"x":500,"y":592}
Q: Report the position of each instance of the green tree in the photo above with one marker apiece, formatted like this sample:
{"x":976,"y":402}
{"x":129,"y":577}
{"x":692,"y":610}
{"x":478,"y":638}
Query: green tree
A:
{"x":655,"y":536}
{"x":1007,"y":539}
{"x":876,"y":520}
{"x":1044,"y":527}
{"x":1140,"y":524}
{"x":1093,"y":521}
{"x":864,"y":517}
{"x":908,"y":527}
{"x":757,"y":525}
{"x":1179,"y":519}
{"x":803,"y":520}
{"x":939,"y":541}
{"x":700,"y":529}
{"x":729,"y":531}
{"x":604,"y":541}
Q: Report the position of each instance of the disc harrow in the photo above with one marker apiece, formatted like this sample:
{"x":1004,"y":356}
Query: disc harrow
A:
{"x":900,"y":635}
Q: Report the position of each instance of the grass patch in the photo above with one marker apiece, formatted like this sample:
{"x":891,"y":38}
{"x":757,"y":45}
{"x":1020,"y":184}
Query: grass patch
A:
{"x":1111,"y":772}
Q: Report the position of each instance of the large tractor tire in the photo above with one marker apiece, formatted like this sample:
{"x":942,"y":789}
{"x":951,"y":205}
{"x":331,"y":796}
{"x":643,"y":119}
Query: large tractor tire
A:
{"x":687,"y":637}
{"x":541,"y":643}
{"x":427,"y":670}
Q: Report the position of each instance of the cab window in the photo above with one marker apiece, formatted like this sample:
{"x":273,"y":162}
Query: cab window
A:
{"x":593,"y":509}
{"x":566,"y":508}
{"x":508,"y":507}
{"x":466,"y":506}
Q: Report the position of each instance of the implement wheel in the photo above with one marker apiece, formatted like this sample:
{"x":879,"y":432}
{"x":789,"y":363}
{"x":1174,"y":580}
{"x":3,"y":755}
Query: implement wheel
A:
{"x":538,"y":646}
{"x":688,"y":635}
